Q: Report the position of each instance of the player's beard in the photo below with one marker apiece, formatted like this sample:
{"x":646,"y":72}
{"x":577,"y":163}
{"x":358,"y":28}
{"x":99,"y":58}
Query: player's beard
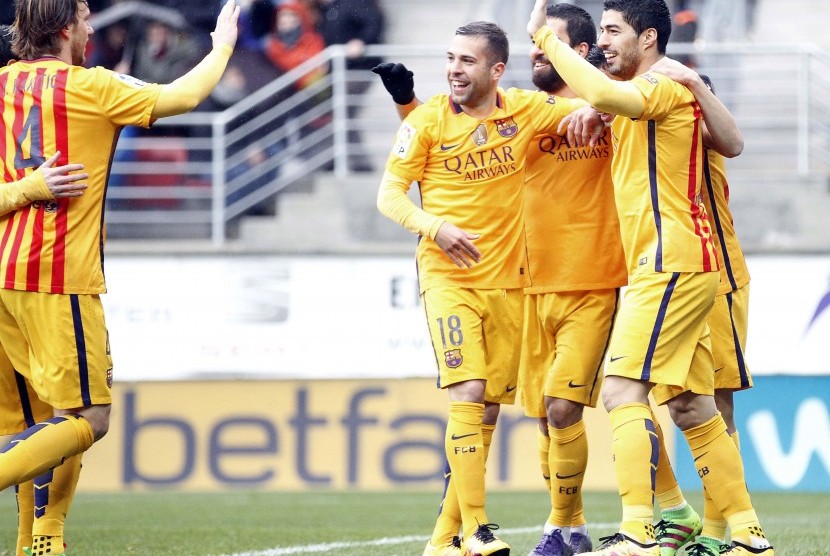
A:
{"x":548,"y":79}
{"x":625,"y":65}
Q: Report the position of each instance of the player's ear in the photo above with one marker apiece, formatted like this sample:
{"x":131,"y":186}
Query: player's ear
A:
{"x":497,"y":70}
{"x":649,"y":37}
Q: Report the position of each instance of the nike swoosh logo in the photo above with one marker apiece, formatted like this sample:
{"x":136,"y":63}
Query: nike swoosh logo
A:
{"x":701,"y":455}
{"x":509,"y":389}
{"x":558,"y":476}
{"x":448,"y":147}
{"x":617,"y":358}
{"x":572,"y":384}
{"x":718,"y":369}
{"x":460,"y":436}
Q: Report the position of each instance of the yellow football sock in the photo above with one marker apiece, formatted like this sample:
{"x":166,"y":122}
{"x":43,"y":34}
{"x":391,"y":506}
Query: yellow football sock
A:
{"x":449,"y":517}
{"x":42,"y":447}
{"x":53,"y":496}
{"x":567,"y":462}
{"x":714,"y":525}
{"x":635,"y":461}
{"x":666,"y":490}
{"x":25,"y":515}
{"x":543,"y":442}
{"x":718,"y":462}
{"x":464,"y":444}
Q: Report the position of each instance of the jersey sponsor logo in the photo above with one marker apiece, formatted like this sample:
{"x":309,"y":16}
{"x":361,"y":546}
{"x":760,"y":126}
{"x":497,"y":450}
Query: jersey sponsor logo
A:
{"x":453,"y":358}
{"x":130,"y":80}
{"x":551,"y":99}
{"x":448,"y":147}
{"x":507,"y":127}
{"x":483,"y":165}
{"x":480,"y":135}
{"x":561,"y":148}
{"x":406,"y":133}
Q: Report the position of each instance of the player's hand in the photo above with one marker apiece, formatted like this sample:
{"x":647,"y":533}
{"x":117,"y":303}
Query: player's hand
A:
{"x":398,"y":80}
{"x":458,"y":245}
{"x":59,"y":180}
{"x":226,"y":25}
{"x":675,"y":71}
{"x":538,"y":17}
{"x":583,"y":126}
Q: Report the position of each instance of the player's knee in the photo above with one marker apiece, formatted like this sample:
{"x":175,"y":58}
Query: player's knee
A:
{"x":563,"y":413}
{"x":98,"y":417}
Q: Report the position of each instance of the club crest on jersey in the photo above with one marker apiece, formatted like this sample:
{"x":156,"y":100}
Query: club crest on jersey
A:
{"x":507,"y":127}
{"x":480,"y":135}
{"x":406,"y":133}
{"x":453,"y":358}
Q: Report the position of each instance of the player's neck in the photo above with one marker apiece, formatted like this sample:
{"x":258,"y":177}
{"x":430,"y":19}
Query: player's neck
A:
{"x":481,"y":109}
{"x":564,"y":91}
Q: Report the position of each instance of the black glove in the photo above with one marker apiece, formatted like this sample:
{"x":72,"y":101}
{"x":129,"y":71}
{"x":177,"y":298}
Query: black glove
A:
{"x":398,"y":81}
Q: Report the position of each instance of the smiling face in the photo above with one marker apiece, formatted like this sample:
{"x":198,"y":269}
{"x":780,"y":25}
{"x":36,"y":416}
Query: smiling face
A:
{"x":621,"y":45}
{"x":471,"y":75}
{"x":545,"y":76}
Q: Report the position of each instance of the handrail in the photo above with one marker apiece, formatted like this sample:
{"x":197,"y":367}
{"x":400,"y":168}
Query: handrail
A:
{"x":318,"y":127}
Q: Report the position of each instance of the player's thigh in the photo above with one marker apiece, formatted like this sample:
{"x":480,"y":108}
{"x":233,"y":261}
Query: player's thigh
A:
{"x":69,"y":356}
{"x":728,"y":323}
{"x":20,"y":408}
{"x":502,"y":324}
{"x":584,"y":321}
{"x":454,"y":318}
{"x":536,"y":357}
{"x":658,"y":330}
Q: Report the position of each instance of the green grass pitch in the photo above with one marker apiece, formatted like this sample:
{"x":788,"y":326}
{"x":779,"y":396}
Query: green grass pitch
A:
{"x":352,"y":523}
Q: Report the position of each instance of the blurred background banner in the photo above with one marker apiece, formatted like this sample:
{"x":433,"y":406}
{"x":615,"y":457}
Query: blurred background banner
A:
{"x":268,"y":316}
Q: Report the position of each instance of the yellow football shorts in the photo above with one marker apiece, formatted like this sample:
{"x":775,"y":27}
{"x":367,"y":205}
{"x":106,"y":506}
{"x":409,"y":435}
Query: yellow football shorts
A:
{"x":565,"y":338}
{"x":476,"y":334}
{"x":661,"y":336}
{"x":728,"y":325}
{"x":60,"y":344}
{"x":20,"y":408}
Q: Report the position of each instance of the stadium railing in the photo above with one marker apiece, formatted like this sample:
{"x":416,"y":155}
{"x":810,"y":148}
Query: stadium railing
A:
{"x":212,"y":168}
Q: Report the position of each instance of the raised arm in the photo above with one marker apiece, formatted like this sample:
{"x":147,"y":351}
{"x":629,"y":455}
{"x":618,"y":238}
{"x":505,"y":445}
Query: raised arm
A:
{"x":720,"y":132}
{"x":400,"y":84}
{"x":589,"y":83}
{"x":186,"y":92}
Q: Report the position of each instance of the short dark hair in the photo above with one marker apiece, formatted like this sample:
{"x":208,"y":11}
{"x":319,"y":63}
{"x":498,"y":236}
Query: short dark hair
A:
{"x":596,"y":57}
{"x":498,"y":49}
{"x":581,"y":26}
{"x":645,"y":14}
{"x":6,"y":54}
{"x":37,"y":24}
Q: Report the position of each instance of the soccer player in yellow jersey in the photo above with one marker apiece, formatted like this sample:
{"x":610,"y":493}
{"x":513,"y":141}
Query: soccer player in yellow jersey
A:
{"x":728,"y":325}
{"x":467,"y":151}
{"x":660,"y":342}
{"x":20,"y":408}
{"x":51,"y":253}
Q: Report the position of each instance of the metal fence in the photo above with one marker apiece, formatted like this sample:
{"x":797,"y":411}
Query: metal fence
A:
{"x":202,"y":172}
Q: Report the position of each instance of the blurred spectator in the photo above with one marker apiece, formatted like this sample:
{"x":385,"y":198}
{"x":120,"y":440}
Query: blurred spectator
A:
{"x":293,"y":41}
{"x":109,"y":45}
{"x":355,"y":24}
{"x":684,"y":30}
{"x":248,"y":71}
{"x":6,"y":12}
{"x":201,"y":14}
{"x":255,"y":21}
{"x":162,"y":54}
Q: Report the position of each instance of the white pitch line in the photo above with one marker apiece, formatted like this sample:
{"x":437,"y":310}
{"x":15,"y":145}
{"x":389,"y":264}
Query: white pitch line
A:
{"x":385,"y":541}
